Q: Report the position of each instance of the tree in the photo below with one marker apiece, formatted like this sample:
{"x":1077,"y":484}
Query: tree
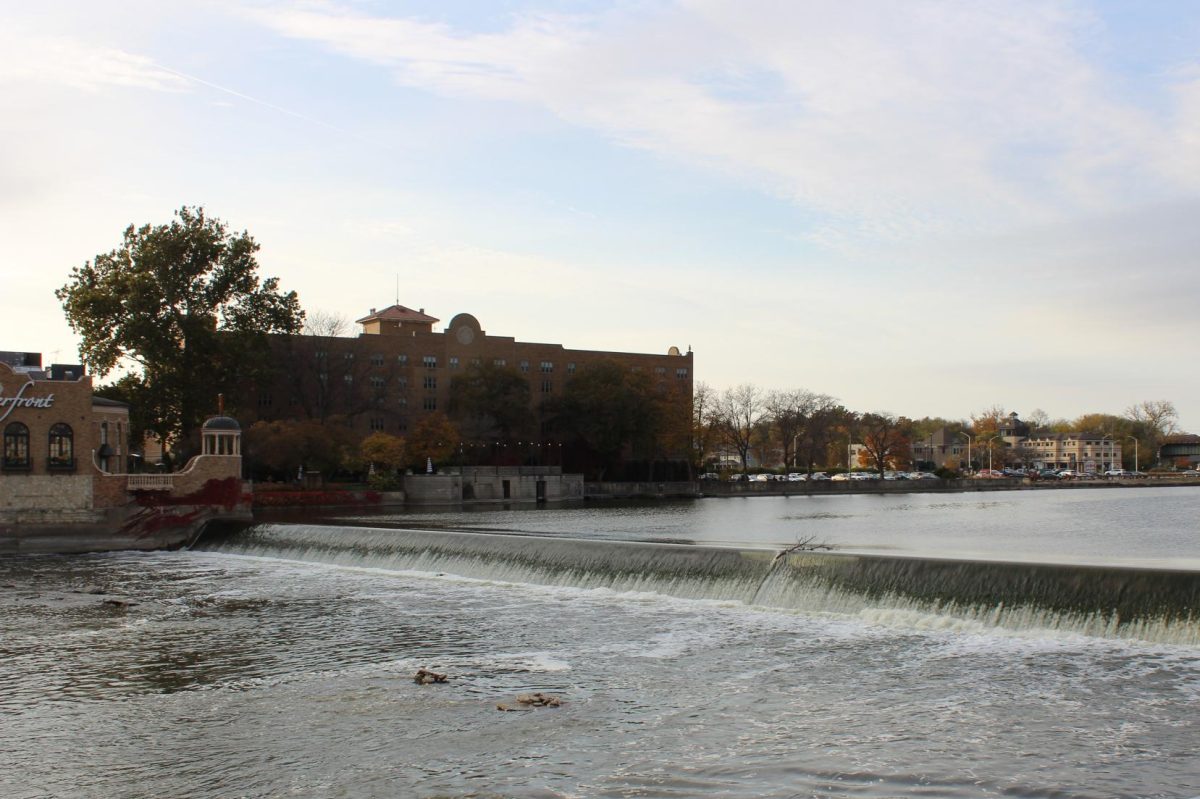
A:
{"x":280,"y":448}
{"x":384,"y":450}
{"x":789,"y":412}
{"x":609,"y":410}
{"x":491,"y":401}
{"x":432,"y":438}
{"x":885,"y":440}
{"x":827,"y":422}
{"x":703,"y":437}
{"x":183,"y":305}
{"x":1156,"y":419}
{"x":736,"y":415}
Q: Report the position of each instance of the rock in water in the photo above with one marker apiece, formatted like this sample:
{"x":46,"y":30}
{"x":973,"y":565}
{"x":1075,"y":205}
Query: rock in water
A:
{"x":427,"y":677}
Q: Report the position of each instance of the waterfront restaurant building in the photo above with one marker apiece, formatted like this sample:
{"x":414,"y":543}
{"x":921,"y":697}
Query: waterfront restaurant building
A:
{"x":56,"y":435}
{"x":398,"y":369}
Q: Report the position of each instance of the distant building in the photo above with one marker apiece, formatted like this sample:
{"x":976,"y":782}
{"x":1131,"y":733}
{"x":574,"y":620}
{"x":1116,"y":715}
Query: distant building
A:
{"x":1181,"y":450}
{"x":941,"y":446}
{"x":1086,"y":452}
{"x":399,"y":369}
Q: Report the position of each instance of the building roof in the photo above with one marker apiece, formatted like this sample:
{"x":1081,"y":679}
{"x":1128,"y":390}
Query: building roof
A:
{"x":221,"y":423}
{"x":105,"y":402}
{"x":397,"y":313}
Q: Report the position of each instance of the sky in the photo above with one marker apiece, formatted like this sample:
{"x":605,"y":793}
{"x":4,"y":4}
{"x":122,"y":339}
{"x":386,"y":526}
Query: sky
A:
{"x":925,"y":208}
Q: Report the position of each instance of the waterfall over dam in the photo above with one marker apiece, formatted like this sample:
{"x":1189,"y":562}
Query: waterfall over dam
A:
{"x":1157,"y":605}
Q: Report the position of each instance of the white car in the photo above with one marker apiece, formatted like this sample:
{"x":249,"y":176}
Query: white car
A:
{"x":796,"y":477}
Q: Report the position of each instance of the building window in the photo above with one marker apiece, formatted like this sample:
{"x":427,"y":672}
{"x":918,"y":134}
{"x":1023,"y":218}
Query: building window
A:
{"x":476,"y":362}
{"x":547,"y":367}
{"x":660,"y":370}
{"x":348,"y":379}
{"x":377,"y":360}
{"x":429,"y":403}
{"x":404,"y":402}
{"x":347,"y":356}
{"x":376,"y":423}
{"x":430,"y":361}
{"x":377,"y":383}
{"x":681,"y":373}
{"x":571,"y":368}
{"x":265,"y":400}
{"x":430,"y":382}
{"x":402,"y":382}
{"x":61,"y":439}
{"x":454,"y":363}
{"x":16,"y":446}
{"x":547,"y":386}
{"x":402,"y":360}
{"x":499,"y":362}
{"x":524,"y":366}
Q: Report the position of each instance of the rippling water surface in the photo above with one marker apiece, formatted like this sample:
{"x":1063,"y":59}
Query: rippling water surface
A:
{"x":239,"y":676}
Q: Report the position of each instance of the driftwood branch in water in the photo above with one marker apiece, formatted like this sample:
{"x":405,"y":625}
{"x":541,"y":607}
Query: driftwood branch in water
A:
{"x":809,"y":544}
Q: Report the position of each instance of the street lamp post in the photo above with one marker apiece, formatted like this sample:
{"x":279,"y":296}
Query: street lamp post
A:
{"x":968,"y":435}
{"x":990,"y":448}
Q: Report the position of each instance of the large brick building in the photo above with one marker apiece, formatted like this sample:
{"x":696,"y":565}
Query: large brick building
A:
{"x":399,"y":368}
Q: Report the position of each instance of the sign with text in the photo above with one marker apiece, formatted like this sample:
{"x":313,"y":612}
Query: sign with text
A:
{"x":19,"y":400}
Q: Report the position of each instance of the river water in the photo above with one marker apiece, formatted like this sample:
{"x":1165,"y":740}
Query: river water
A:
{"x":1024,"y":644}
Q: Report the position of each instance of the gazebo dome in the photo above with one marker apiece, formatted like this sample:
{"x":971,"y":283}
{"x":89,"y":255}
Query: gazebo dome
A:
{"x":215,"y":423}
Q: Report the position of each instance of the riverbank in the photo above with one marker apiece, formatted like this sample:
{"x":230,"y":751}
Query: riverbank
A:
{"x":805,"y":488}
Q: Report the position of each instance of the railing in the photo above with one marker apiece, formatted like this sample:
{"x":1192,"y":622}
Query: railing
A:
{"x":150,"y":482}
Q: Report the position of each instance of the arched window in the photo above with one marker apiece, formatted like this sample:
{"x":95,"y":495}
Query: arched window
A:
{"x":62,"y":447}
{"x":16,"y":446}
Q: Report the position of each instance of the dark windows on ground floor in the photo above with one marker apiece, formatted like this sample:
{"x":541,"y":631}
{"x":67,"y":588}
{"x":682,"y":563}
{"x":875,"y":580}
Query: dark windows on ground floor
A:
{"x":16,"y":446}
{"x":62,"y":447}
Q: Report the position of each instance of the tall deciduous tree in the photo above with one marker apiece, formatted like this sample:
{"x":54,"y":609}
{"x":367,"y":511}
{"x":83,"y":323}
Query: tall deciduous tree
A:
{"x":433,"y":438}
{"x":885,"y":439}
{"x":184,"y":304}
{"x":491,"y":401}
{"x":609,"y":409}
{"x":736,"y":415}
{"x":1156,"y":419}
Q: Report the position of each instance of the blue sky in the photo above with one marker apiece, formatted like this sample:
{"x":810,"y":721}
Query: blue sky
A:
{"x":920,"y":207}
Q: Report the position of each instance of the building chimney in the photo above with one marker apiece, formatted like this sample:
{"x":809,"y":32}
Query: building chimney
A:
{"x":372,"y":310}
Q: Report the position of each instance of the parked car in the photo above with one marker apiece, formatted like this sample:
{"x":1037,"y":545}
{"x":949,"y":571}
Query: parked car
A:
{"x":841,"y":477}
{"x":738,"y":477}
{"x":820,"y":476}
{"x":1067,"y":474}
{"x":796,"y":477}
{"x":988,"y":474}
{"x":710,"y":476}
{"x":1118,"y":473}
{"x":759,"y":478}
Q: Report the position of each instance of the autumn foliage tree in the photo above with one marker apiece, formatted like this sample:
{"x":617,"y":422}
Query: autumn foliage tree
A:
{"x":433,"y":438}
{"x":885,"y":440}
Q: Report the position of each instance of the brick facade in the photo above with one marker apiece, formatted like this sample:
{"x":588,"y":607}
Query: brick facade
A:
{"x":399,"y":369}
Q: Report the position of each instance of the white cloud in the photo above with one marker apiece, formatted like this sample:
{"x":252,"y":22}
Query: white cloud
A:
{"x":900,"y":119}
{"x":31,"y":58}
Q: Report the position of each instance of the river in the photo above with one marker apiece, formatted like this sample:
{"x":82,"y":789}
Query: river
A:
{"x":1025,"y":644}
